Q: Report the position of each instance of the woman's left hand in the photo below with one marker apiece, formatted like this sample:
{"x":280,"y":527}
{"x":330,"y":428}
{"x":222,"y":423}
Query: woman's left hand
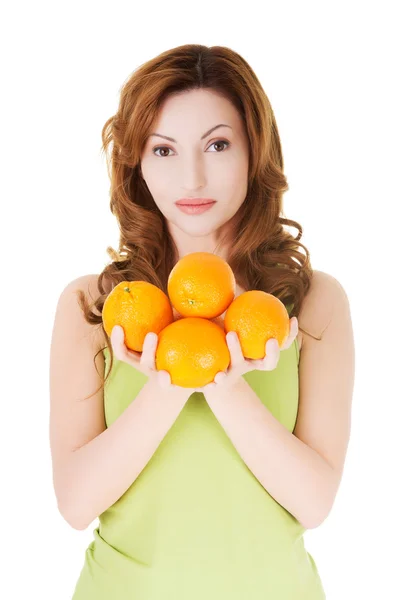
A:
{"x":239,"y":365}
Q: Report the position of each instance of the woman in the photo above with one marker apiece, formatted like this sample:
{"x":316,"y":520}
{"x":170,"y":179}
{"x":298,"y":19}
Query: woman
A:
{"x":200,"y":494}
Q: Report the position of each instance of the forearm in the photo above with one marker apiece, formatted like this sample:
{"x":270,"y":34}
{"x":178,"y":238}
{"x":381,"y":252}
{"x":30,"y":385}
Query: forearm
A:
{"x":294,"y":474}
{"x":97,"y":474}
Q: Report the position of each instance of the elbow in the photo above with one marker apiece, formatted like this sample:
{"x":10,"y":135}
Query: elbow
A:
{"x":323,"y":505}
{"x":72,"y":518}
{"x":318,"y":517}
{"x":69,"y":498}
{"x":77,"y":525}
{"x":313,"y":524}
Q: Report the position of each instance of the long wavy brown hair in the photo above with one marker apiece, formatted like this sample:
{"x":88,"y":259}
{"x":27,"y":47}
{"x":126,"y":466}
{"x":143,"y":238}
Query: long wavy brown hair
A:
{"x":262,"y":255}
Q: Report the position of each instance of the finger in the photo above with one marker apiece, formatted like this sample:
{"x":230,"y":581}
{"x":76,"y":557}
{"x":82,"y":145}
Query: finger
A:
{"x":219,"y":378}
{"x":117,"y":338}
{"x":209,"y":387}
{"x":272,"y":352}
{"x":147,"y":360}
{"x":254,"y":363}
{"x":235,"y":349}
{"x":121,"y":351}
{"x":164,"y":379}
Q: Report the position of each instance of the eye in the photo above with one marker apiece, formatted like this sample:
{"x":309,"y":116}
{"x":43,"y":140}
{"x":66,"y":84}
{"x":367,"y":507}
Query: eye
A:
{"x":168,"y":148}
{"x":160,"y":148}
{"x":220,"y":142}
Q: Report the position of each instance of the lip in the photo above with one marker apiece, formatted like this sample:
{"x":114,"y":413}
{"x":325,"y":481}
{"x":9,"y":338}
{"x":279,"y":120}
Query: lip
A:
{"x":195,"y":209}
{"x":194,"y":201}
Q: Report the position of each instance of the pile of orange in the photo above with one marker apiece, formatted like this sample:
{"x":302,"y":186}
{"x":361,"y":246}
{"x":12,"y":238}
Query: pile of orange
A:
{"x":191,"y":332}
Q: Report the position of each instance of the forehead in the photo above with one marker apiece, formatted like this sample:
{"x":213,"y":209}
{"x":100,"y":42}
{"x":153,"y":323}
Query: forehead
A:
{"x":194,"y":113}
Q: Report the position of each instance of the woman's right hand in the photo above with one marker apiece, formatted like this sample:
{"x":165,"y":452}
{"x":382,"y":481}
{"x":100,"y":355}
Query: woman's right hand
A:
{"x":144,"y":361}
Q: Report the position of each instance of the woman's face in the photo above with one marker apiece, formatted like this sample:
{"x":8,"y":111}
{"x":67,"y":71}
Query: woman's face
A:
{"x":213,"y":167}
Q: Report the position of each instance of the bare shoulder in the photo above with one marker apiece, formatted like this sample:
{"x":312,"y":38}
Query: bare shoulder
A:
{"x":76,"y":371}
{"x":324,"y":295}
{"x":69,"y":320}
{"x":326,"y":378}
{"x":89,"y":284}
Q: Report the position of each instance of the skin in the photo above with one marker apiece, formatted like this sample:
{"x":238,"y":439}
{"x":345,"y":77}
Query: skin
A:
{"x":146,"y":362}
{"x":198,"y":168}
{"x":207,"y":168}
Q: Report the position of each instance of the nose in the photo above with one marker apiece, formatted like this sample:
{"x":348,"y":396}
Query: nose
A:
{"x":194,"y":175}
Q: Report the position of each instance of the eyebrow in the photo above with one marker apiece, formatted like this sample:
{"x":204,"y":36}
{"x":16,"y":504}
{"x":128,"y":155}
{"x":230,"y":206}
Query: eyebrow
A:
{"x":202,"y":137}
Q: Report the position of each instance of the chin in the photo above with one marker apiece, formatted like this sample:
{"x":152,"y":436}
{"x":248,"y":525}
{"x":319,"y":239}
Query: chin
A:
{"x":198,"y":229}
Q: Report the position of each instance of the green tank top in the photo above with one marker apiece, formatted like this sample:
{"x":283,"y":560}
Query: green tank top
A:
{"x":196,"y":523}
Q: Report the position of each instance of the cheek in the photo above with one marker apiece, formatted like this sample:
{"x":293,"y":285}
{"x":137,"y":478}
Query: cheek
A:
{"x":159,"y":181}
{"x":162,"y":203}
{"x":233,"y":178}
{"x":236,"y":190}
{"x":157,"y":186}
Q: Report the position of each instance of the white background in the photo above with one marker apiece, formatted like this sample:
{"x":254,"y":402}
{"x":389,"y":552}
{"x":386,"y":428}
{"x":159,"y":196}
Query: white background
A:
{"x":330,"y":72}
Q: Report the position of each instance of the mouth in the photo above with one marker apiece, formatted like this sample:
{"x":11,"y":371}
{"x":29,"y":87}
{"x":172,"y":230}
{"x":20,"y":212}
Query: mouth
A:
{"x":194,"y":201}
{"x":198,"y":208}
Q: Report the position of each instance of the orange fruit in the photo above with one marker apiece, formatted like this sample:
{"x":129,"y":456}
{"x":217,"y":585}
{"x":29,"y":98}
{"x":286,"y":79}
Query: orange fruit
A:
{"x":257,"y":316}
{"x":139,"y":307}
{"x":218,"y":320}
{"x":201,"y":284}
{"x":193,"y":350}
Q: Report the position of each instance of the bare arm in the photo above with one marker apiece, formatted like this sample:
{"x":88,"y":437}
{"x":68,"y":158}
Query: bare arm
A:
{"x":94,"y":465}
{"x":97,"y":474}
{"x":301,"y":470}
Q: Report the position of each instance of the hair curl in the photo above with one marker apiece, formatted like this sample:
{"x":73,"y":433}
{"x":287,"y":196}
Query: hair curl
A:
{"x":262,"y":255}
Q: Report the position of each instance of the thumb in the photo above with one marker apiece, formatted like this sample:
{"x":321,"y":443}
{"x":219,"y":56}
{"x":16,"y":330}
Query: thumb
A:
{"x":117,"y":332}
